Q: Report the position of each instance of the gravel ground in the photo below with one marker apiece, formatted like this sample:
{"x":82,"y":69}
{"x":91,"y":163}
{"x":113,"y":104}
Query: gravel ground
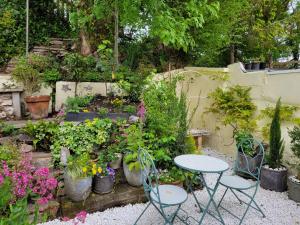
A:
{"x":279,"y":210}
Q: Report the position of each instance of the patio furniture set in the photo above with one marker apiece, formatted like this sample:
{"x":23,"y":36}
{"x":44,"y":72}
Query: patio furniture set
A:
{"x":166,"y":198}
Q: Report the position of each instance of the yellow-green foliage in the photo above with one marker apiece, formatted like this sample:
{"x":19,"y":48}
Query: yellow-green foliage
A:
{"x":191,"y":145}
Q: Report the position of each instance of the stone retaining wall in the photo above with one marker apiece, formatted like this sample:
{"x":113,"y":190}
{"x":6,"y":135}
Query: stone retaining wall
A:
{"x":6,"y":106}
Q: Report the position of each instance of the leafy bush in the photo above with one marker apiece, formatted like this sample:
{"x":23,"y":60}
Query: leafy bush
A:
{"x":235,"y":107}
{"x":51,"y":76}
{"x":76,"y":104}
{"x":241,"y":139}
{"x":274,"y":157}
{"x":131,"y":109}
{"x":295,"y":146}
{"x":43,"y":133}
{"x":9,"y":153}
{"x":29,"y":71}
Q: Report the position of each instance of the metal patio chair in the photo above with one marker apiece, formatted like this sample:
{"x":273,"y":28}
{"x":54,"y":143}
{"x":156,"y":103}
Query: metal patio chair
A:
{"x":247,"y":167}
{"x":160,"y":196}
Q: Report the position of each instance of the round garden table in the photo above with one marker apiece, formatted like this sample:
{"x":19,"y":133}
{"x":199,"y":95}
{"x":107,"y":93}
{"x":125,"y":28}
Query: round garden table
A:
{"x":199,"y":165}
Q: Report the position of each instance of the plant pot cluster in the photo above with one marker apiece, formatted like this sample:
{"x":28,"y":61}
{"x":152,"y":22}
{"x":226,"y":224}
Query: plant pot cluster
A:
{"x":255,"y":66}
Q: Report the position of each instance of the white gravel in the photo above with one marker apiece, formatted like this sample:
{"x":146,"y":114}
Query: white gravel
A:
{"x":279,"y":210}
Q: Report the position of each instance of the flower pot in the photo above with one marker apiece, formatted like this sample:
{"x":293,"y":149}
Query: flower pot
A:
{"x":103,"y":185}
{"x":116,"y":164}
{"x":77,"y":189}
{"x":38,"y":106}
{"x":134,"y":177}
{"x":248,"y":66}
{"x":262,"y":66}
{"x":255,"y":65}
{"x":274,"y":179}
{"x":294,"y":188}
{"x":251,"y":166}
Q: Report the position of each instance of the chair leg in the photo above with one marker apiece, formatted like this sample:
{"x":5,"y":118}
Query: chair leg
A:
{"x":241,"y":202}
{"x":142,"y":213}
{"x":259,"y":209}
{"x":222,"y":197}
{"x":248,"y":206}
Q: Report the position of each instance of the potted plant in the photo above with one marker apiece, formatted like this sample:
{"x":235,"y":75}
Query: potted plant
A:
{"x":274,"y":174}
{"x":131,"y":165}
{"x":78,"y":177}
{"x":116,"y":156}
{"x":247,"y":158}
{"x":174,"y":176}
{"x":29,"y":71}
{"x":104,"y":178}
{"x":294,"y":181}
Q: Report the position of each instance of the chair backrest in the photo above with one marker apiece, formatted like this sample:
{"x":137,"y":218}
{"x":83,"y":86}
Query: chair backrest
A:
{"x":249,"y":165}
{"x":150,"y":174}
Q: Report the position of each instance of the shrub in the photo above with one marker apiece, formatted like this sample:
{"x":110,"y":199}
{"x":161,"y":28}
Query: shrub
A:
{"x":276,"y":142}
{"x":235,"y":107}
{"x":295,"y":146}
{"x":29,"y":71}
{"x":6,"y":129}
{"x":10,"y":153}
{"x":241,"y":138}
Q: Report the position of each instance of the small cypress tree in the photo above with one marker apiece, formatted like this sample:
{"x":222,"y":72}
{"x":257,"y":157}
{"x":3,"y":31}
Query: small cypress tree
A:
{"x":276,"y":142}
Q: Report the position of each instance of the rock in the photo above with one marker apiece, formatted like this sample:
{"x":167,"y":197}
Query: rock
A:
{"x":2,"y":115}
{"x":64,"y":154}
{"x":6,"y":102}
{"x":24,"y":138}
{"x":41,"y":159}
{"x":133,"y":119}
{"x":25,"y":148}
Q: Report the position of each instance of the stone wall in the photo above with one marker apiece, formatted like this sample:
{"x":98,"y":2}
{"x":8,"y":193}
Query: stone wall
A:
{"x":6,"y":106}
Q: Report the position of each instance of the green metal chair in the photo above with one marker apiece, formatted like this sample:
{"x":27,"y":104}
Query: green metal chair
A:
{"x":244,"y":166}
{"x":161,"y":197}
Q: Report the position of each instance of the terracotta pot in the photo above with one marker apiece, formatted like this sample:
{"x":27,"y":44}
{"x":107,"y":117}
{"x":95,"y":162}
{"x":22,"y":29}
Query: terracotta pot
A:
{"x":38,"y":106}
{"x":274,"y":180}
{"x":294,"y":189}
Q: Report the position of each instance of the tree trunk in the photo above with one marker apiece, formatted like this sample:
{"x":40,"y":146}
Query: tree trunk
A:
{"x":270,"y":61}
{"x":85,"y":45}
{"x":232,"y":56}
{"x":116,"y":36}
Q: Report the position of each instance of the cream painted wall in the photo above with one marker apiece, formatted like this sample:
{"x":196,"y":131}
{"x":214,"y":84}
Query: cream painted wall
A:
{"x":267,"y":87}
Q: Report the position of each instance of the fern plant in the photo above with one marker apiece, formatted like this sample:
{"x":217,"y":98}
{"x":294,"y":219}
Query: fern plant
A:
{"x":276,"y":142}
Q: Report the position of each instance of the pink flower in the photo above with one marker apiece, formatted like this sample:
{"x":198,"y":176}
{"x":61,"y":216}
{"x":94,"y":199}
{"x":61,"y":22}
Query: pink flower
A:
{"x":81,"y":216}
{"x":1,"y":179}
{"x":42,"y":201}
{"x":51,"y":183}
{"x":5,"y":169}
{"x":42,"y":172}
{"x":65,"y":219}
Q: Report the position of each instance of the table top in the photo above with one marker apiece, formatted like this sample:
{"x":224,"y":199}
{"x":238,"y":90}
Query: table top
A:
{"x":201,"y":163}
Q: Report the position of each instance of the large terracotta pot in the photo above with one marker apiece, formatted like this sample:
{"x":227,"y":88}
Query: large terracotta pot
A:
{"x":38,"y":106}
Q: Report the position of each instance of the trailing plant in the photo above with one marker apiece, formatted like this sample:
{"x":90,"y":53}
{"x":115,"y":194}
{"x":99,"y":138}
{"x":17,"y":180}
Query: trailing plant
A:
{"x":295,"y":146}
{"x":80,"y":138}
{"x":77,"y":103}
{"x":274,"y":157}
{"x":42,"y":132}
{"x":287,"y":114}
{"x":234,"y":106}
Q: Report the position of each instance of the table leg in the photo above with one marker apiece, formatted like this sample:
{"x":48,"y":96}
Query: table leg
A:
{"x":211,"y":192}
{"x":189,"y":185}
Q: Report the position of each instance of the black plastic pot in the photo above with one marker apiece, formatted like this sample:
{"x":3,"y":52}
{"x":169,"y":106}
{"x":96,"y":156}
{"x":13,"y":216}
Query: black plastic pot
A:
{"x":103,"y":185}
{"x":82,"y":116}
{"x":248,"y":66}
{"x":255,"y":65}
{"x":275,"y":180}
{"x":262,"y":65}
{"x":293,"y":189}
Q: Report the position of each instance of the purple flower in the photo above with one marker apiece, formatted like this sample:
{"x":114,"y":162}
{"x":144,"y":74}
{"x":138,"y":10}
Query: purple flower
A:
{"x":42,"y":172}
{"x":5,"y":169}
{"x":81,"y":216}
